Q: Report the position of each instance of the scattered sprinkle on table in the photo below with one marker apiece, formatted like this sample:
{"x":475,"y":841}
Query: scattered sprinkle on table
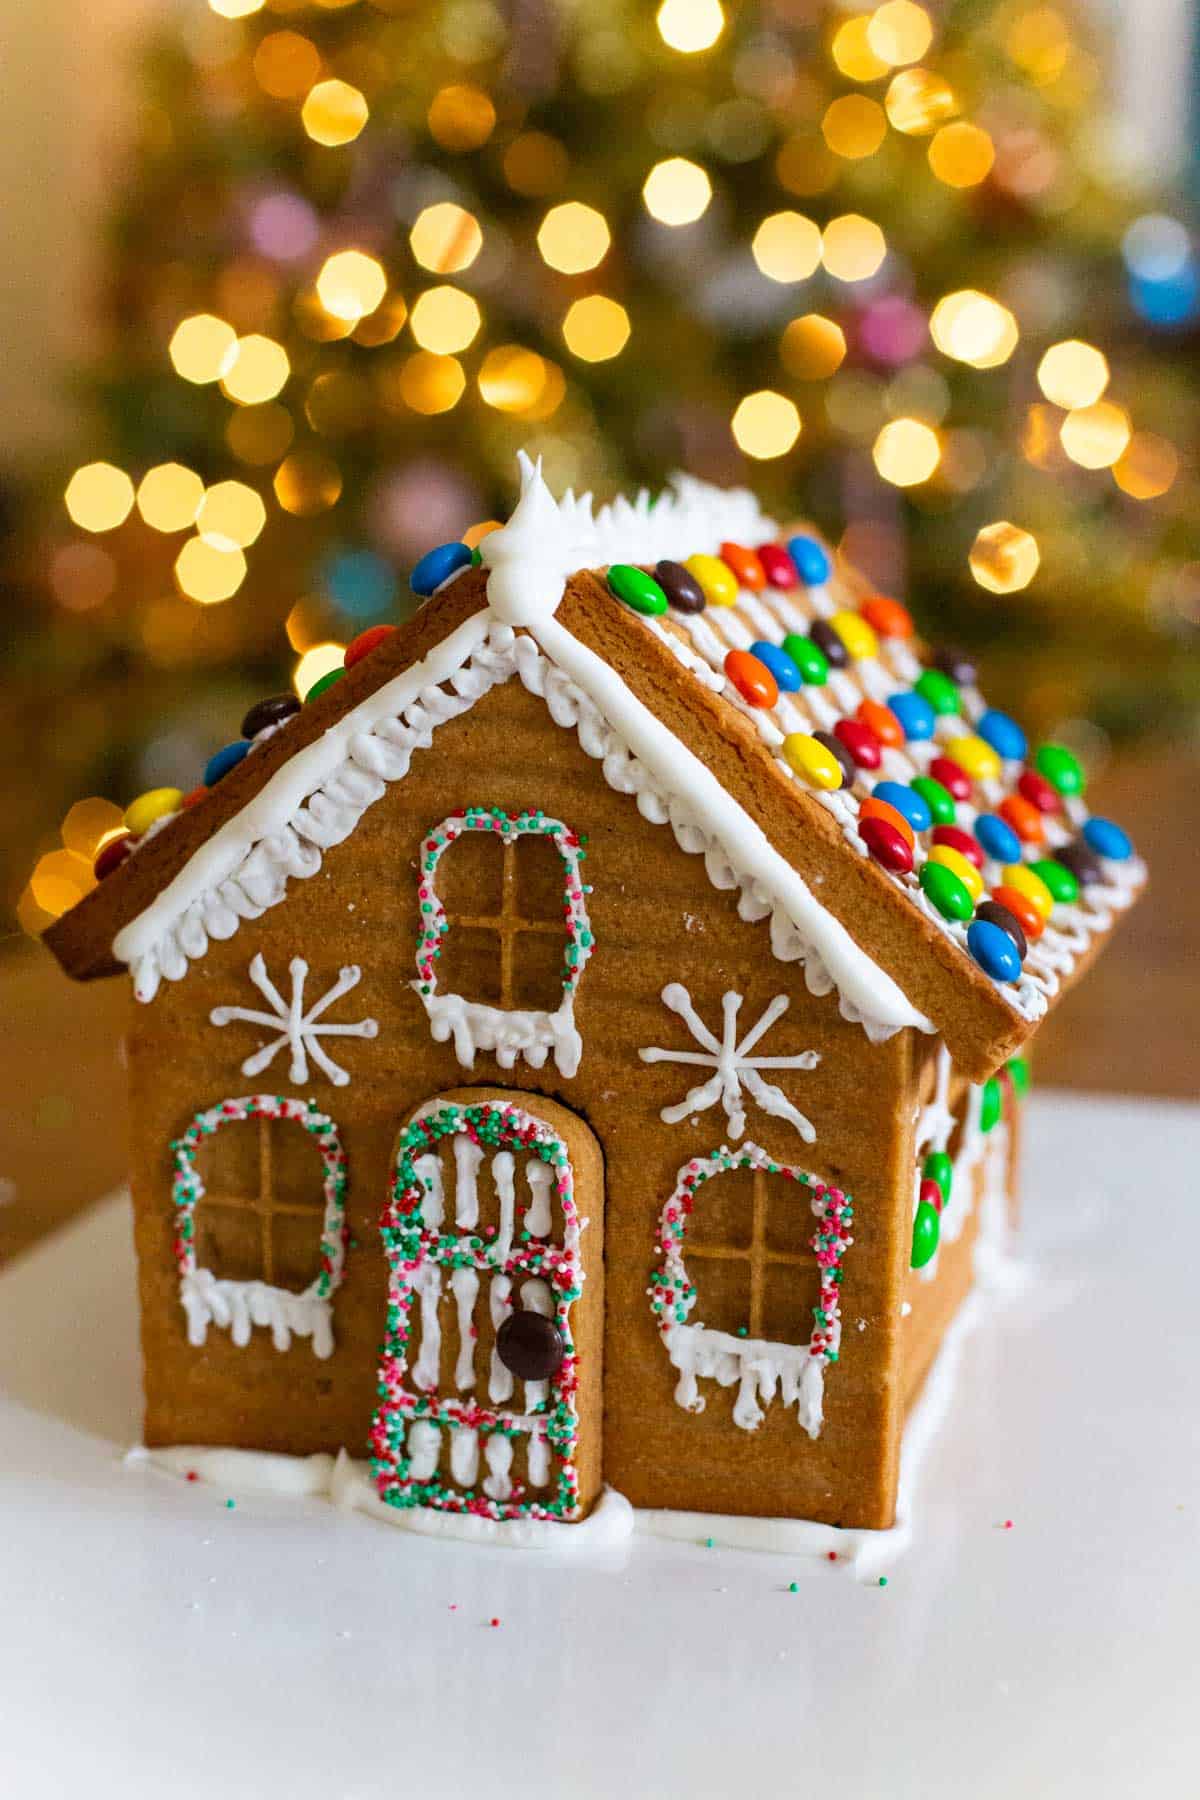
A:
{"x":793,"y":1587}
{"x":493,"y":1622}
{"x":229,"y":1505}
{"x":883,"y":1581}
{"x":709,"y":1542}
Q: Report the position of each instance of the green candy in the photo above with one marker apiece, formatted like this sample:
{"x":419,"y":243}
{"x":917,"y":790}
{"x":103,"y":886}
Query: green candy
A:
{"x":808,"y":657}
{"x":992,"y":1106}
{"x":927,"y":1230}
{"x":637,"y":589}
{"x":326,"y":681}
{"x":947,"y":892}
{"x":939,"y":1168}
{"x":1060,"y":768}
{"x":940,"y":691}
{"x":1018,"y":1070}
{"x":1058,"y":878}
{"x":938,"y":799}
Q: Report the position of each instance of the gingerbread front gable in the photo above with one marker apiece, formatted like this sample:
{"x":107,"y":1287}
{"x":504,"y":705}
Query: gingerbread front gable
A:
{"x":744,"y":699}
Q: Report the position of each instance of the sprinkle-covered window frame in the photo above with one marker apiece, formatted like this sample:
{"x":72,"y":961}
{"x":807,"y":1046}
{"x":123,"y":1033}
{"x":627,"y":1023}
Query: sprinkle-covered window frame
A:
{"x":759,"y":1367}
{"x":237,"y":1306}
{"x":511,"y":1032}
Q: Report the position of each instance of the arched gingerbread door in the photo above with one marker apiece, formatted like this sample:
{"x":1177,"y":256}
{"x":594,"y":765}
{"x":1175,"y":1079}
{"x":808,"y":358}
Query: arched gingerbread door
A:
{"x":490,"y":1377}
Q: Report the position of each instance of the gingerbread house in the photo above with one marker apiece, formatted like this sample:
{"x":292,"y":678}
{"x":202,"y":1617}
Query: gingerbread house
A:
{"x":582,"y":1042}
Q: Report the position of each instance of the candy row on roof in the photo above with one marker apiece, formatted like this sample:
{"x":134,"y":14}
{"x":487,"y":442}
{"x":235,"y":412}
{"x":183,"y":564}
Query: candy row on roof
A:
{"x":912,"y":828}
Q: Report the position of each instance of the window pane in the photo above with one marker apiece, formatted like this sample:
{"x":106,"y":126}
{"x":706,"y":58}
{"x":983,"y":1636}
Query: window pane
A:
{"x":229,"y":1241}
{"x":537,"y":975}
{"x":723,"y":1210}
{"x":789,"y":1295}
{"x":540,"y":878}
{"x":297,"y":1172}
{"x":469,"y":876}
{"x":722,"y":1293}
{"x":228,"y":1161}
{"x":296,"y":1246}
{"x":470,"y":964}
{"x":790,"y":1222}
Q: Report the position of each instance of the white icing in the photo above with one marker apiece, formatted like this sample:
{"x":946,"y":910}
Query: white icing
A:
{"x":537,"y":1214}
{"x":298,"y":1029}
{"x":509,"y":1032}
{"x":433,"y":1209}
{"x":500,"y":1381}
{"x":237,"y":1306}
{"x":464,"y":1285}
{"x":733,"y":1066}
{"x":467,"y":1158}
{"x":428,"y":1283}
{"x":760,"y":1369}
{"x":536,"y":1297}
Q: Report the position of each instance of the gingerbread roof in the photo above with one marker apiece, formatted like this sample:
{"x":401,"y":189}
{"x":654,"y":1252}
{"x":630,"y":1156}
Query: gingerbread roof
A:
{"x":776,"y":714}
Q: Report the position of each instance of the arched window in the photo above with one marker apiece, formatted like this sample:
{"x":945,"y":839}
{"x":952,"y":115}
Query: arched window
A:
{"x":512,"y":928}
{"x":759,"y":1272}
{"x":260,"y":1234}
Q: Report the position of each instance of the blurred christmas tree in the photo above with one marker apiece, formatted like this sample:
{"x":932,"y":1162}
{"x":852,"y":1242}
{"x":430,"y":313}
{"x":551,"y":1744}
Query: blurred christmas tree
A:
{"x":896,"y":269}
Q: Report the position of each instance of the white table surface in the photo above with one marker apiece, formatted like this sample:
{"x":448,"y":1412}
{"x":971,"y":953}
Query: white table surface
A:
{"x":155,"y":1643}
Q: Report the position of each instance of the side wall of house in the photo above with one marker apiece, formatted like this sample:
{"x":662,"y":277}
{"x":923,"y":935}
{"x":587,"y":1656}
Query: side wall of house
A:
{"x":657,"y":920}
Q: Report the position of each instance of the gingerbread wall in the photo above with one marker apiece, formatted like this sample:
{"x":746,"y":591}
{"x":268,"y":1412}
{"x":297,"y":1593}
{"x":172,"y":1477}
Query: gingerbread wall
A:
{"x":656,"y":919}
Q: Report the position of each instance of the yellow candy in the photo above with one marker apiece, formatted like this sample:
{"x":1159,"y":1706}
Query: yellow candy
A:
{"x":1022,"y":877}
{"x":811,"y":761}
{"x":976,"y":757}
{"x":716,"y":578}
{"x":141,"y":813}
{"x":856,"y":634}
{"x":959,"y":865}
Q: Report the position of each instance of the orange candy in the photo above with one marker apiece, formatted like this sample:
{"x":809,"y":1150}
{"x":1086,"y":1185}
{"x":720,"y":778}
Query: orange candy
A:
{"x":195,"y":797}
{"x":745,"y":566}
{"x":752,"y":679}
{"x":1024,"y":817}
{"x":879,"y":809}
{"x":883,"y":722}
{"x":887,"y":617}
{"x":1022,"y":909}
{"x":365,"y":642}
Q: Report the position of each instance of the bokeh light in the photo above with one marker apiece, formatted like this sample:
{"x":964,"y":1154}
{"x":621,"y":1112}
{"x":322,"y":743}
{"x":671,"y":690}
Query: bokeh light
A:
{"x":258,"y":371}
{"x":59,"y":880}
{"x":973,"y":328}
{"x":321,"y":659}
{"x":917,"y":102}
{"x":445,"y":320}
{"x":99,"y":497}
{"x":813,"y":347}
{"x":82,"y":576}
{"x":690,"y":25}
{"x":962,"y":155}
{"x":334,"y":113}
{"x":1073,"y":374}
{"x":787,"y":246}
{"x":351,"y":284}
{"x":286,"y":65}
{"x":207,"y":574}
{"x":432,"y":383}
{"x":446,"y":238}
{"x":573,"y":237}
{"x":852,"y":53}
{"x":596,"y":328}
{"x":169,"y":497}
{"x":307,"y":482}
{"x":1147,"y":467}
{"x":260,"y":434}
{"x":853,"y":248}
{"x":88,"y":824}
{"x":1156,"y":247}
{"x":203,"y":347}
{"x":854,"y":126}
{"x":536,"y":164}
{"x":236,"y":9}
{"x":676,"y":191}
{"x":1004,"y":558}
{"x":231,"y":515}
{"x":1096,"y":436}
{"x":516,"y":380}
{"x":906,"y":452}
{"x":765,"y":424}
{"x":900,"y":32}
{"x":461,"y":117}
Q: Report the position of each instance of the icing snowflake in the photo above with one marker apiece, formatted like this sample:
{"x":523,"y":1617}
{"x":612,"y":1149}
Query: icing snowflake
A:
{"x":732,"y":1065}
{"x":298,"y":1029}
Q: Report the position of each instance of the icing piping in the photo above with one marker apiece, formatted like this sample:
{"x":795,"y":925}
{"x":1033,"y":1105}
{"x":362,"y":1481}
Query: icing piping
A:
{"x":237,"y":1306}
{"x":299,"y":1029}
{"x":734,"y":1068}
{"x":760,"y":1368}
{"x":509,"y":1031}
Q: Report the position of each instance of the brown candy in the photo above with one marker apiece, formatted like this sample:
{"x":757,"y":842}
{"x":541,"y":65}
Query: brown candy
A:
{"x":271,"y":711}
{"x":826,"y":639}
{"x":680,"y":586}
{"x":838,"y":750}
{"x":995,"y":914}
{"x":1082,"y":861}
{"x":530,"y":1345}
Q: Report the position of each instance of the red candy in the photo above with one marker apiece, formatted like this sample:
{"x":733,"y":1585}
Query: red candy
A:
{"x":1024,"y":818}
{"x":887,"y":617}
{"x":194,"y":798}
{"x":111,"y":855}
{"x":1038,"y":791}
{"x":879,"y":809}
{"x":955,"y":838}
{"x":932,"y":1193}
{"x":745,"y":566}
{"x":886,"y":845}
{"x":953,"y":777}
{"x":365,"y":642}
{"x":860,"y":741}
{"x":752,"y":679}
{"x":778,"y":567}
{"x":883,"y":722}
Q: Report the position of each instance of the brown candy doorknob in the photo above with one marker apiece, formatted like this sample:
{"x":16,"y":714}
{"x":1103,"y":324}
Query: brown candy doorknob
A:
{"x":530,"y":1345}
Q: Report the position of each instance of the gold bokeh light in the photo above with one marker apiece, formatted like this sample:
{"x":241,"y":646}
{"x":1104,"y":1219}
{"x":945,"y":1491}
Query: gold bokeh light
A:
{"x":334,"y":113}
{"x":286,"y":65}
{"x":573,"y":237}
{"x":854,"y":126}
{"x":231,"y":515}
{"x":1096,"y":436}
{"x":99,"y":496}
{"x":321,"y":659}
{"x":351,"y":284}
{"x":906,"y":452}
{"x":852,"y":53}
{"x":1147,"y":467}
{"x":169,"y":497}
{"x":765,"y":424}
{"x":961,"y":155}
{"x":307,"y":482}
{"x":787,"y":246}
{"x":202,"y":348}
{"x":973,"y":328}
{"x":813,"y":347}
{"x":431,"y":383}
{"x":690,"y":25}
{"x":461,"y":117}
{"x":258,"y":371}
{"x":853,"y":248}
{"x":1073,"y":374}
{"x":677,"y":191}
{"x":446,"y":238}
{"x":207,"y":574}
{"x":596,"y":328}
{"x":900,"y":32}
{"x":1004,"y":557}
{"x":918,"y":101}
{"x":445,"y":320}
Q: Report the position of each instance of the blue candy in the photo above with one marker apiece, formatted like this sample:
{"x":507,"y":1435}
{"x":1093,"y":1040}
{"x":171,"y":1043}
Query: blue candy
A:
{"x":998,"y":838}
{"x":437,"y":566}
{"x":224,"y":760}
{"x":1002,"y":733}
{"x":811,"y":560}
{"x":915,"y":715}
{"x":787,"y":675}
{"x":993,"y":950}
{"x":907,"y":802}
{"x":1107,"y":839}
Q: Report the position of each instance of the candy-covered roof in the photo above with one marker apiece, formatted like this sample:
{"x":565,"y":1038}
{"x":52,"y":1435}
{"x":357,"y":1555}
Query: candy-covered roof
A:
{"x":777,"y":713}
